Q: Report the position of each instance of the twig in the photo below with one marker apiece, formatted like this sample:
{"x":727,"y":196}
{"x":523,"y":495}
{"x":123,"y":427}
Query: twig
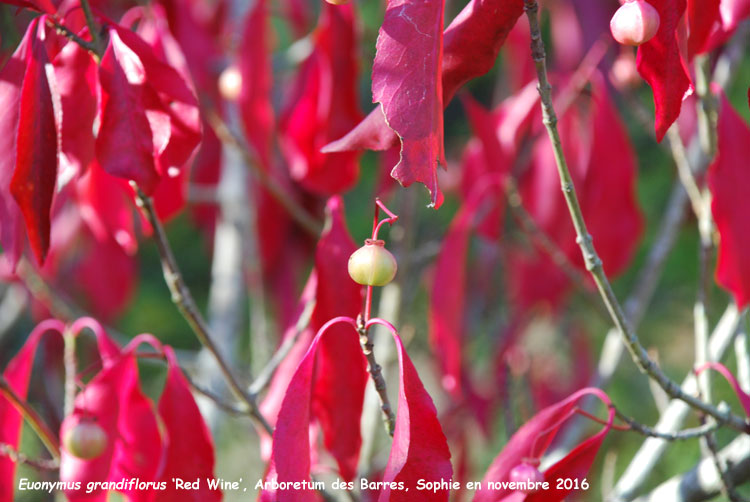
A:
{"x":591,"y":258}
{"x":295,"y":210}
{"x":642,"y":464}
{"x":703,"y":482}
{"x":91,"y":23}
{"x":17,"y":457}
{"x":365,"y":339}
{"x":70,"y":35}
{"x":684,"y":170}
{"x":36,"y":422}
{"x":727,"y":485}
{"x":645,"y":430}
{"x":266,"y":374}
{"x":183,"y":300}
{"x":69,"y":363}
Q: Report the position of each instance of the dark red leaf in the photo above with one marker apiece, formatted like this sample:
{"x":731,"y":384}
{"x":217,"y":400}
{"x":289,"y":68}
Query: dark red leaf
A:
{"x":533,"y":439}
{"x":17,"y":375}
{"x":35,"y":174}
{"x":471,"y":44}
{"x":125,"y":144}
{"x":729,"y":182}
{"x":324,"y":106}
{"x":254,"y":64}
{"x":407,"y":82}
{"x":731,"y":13}
{"x":191,"y":458}
{"x":419,"y":449}
{"x":40,"y":5}
{"x":701,"y":17}
{"x":11,"y":81}
{"x":341,"y":371}
{"x":659,"y":62}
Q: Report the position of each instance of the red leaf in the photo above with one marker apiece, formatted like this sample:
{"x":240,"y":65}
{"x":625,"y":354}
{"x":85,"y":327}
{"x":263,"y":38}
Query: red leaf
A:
{"x":41,"y":5}
{"x":470,"y":47}
{"x":407,"y":82}
{"x":340,"y":377}
{"x":33,"y":182}
{"x":11,"y":82}
{"x":743,"y":396}
{"x":731,"y":13}
{"x":341,"y":372}
{"x":533,"y":439}
{"x":75,"y":73}
{"x":659,"y":62}
{"x":17,"y":374}
{"x":185,"y":458}
{"x":324,"y":106}
{"x":419,"y":449}
{"x":255,"y":67}
{"x":701,"y":17}
{"x":729,"y":182}
{"x":125,"y":145}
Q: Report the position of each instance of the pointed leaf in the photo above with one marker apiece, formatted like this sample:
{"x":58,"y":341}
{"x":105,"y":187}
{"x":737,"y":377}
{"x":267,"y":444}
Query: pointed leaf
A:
{"x":701,"y":16}
{"x":33,"y":182}
{"x":659,"y":62}
{"x":407,"y":82}
{"x":729,"y":182}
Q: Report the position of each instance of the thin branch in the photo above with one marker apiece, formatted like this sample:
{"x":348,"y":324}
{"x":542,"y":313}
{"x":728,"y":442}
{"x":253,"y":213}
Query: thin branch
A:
{"x":684,"y":171}
{"x":91,"y":23}
{"x":66,"y":32}
{"x":266,"y":374}
{"x":183,"y":300}
{"x":17,"y":457}
{"x":647,"y":431}
{"x":36,"y":422}
{"x":365,"y":340}
{"x":282,"y":196}
{"x":591,"y":258}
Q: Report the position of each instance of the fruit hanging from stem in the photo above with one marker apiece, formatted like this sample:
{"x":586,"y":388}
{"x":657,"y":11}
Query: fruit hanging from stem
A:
{"x":635,"y":23}
{"x":82,"y":437}
{"x":372,"y":264}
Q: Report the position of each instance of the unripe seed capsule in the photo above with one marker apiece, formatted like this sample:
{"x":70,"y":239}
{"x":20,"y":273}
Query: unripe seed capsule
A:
{"x":527,"y":474}
{"x":372,"y":264}
{"x":635,"y":23}
{"x":83,"y":438}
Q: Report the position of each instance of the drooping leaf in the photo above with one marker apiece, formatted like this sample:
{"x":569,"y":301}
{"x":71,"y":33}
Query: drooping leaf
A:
{"x":185,"y":458}
{"x":324,"y":106}
{"x":38,"y":5}
{"x":701,"y":16}
{"x":341,"y":371}
{"x":11,"y":82}
{"x":731,"y":14}
{"x":659,"y":62}
{"x":532,"y":440}
{"x":419,"y":449}
{"x":35,"y":174}
{"x":254,"y":63}
{"x":478,"y":30}
{"x":125,"y":144}
{"x":729,"y":181}
{"x":17,"y":375}
{"x":407,"y":82}
{"x":743,"y":396}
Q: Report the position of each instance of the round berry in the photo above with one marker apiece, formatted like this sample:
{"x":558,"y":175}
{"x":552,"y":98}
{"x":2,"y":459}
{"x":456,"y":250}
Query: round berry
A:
{"x":635,"y":23}
{"x":82,"y":437}
{"x":527,"y":474}
{"x":372,"y":264}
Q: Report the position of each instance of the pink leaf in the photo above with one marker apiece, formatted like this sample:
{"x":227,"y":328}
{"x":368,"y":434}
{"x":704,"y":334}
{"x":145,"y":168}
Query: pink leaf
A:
{"x":255,"y":67}
{"x":324,"y":106}
{"x":407,"y":82}
{"x":185,"y":458}
{"x":731,"y":13}
{"x":125,"y":145}
{"x":11,"y":83}
{"x":729,"y":182}
{"x":533,"y":439}
{"x":659,"y":62}
{"x":17,"y":374}
{"x":35,"y":174}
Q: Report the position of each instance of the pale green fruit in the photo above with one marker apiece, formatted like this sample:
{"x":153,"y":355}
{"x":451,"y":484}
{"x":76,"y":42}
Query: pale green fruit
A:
{"x":372,"y":264}
{"x":85,"y":440}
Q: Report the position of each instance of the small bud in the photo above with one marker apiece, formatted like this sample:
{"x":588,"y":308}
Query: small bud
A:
{"x":372,"y":264}
{"x":528,"y":475}
{"x":230,"y":83}
{"x":635,"y":23}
